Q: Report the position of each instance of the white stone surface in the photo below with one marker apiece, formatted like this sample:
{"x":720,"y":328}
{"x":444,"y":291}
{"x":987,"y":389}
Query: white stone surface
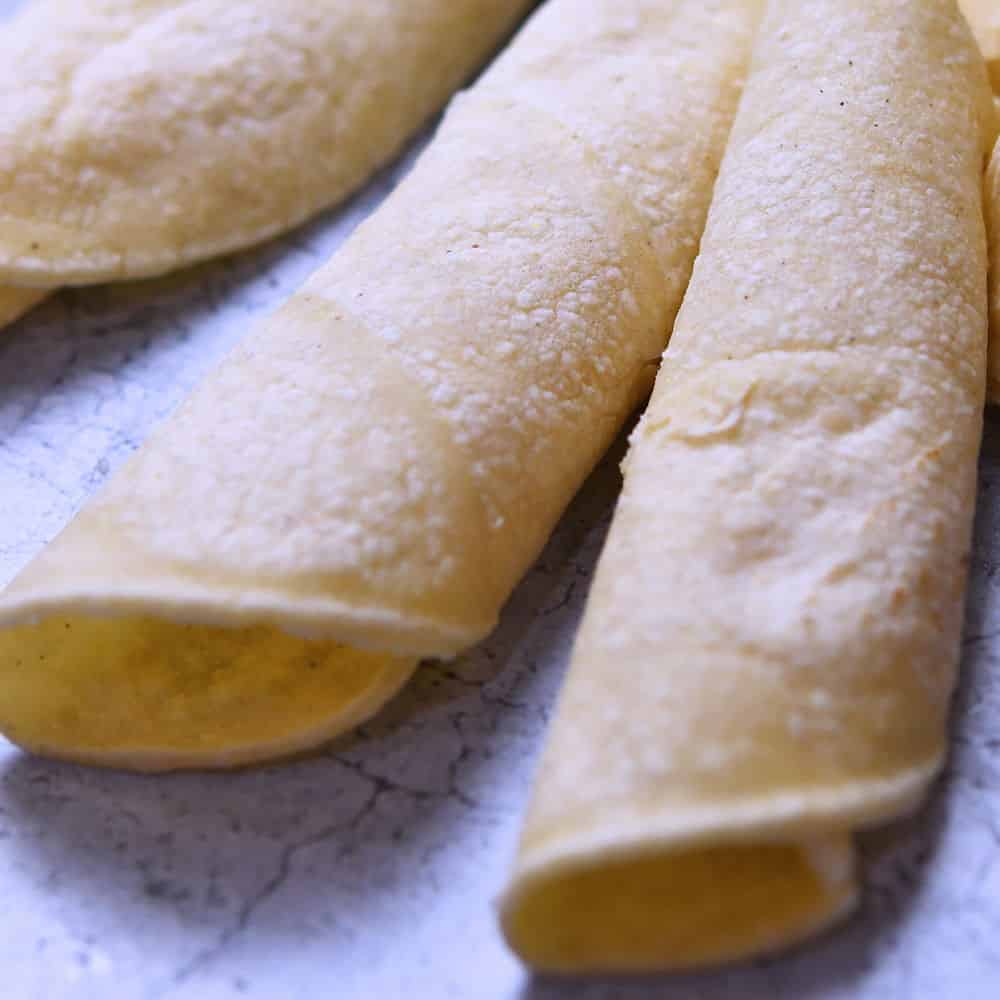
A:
{"x":370,"y":871}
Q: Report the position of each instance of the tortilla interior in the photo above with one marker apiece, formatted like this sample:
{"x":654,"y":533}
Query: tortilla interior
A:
{"x":656,"y":909}
{"x":149,"y":694}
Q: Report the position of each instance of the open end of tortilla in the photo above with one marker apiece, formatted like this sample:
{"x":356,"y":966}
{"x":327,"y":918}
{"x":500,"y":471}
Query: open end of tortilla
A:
{"x":146,"y":694}
{"x":670,"y":910}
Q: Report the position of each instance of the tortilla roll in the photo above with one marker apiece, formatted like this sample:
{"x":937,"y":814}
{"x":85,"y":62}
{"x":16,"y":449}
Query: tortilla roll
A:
{"x":379,"y":463}
{"x":770,"y":646}
{"x":984,"y":19}
{"x":15,"y":302}
{"x":139,"y":136}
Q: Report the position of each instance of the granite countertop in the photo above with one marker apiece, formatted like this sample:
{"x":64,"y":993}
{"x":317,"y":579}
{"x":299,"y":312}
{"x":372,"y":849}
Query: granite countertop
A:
{"x":370,"y":870}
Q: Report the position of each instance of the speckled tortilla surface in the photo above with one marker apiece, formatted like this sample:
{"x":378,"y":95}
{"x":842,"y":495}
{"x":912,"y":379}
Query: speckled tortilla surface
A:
{"x":379,"y":462}
{"x":771,"y":642}
{"x":137,"y":136}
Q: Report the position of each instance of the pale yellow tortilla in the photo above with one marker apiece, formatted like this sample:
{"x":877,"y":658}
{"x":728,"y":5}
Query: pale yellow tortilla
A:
{"x":770,"y":646}
{"x":383,"y":458}
{"x":138,"y":136}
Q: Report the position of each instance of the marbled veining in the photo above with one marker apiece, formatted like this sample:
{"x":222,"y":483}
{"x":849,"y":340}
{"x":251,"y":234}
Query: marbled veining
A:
{"x":369,"y":871}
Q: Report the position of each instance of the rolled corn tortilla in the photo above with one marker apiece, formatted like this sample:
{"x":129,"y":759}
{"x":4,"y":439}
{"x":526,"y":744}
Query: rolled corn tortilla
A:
{"x":364,"y":481}
{"x":770,"y":645}
{"x":139,"y":136}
